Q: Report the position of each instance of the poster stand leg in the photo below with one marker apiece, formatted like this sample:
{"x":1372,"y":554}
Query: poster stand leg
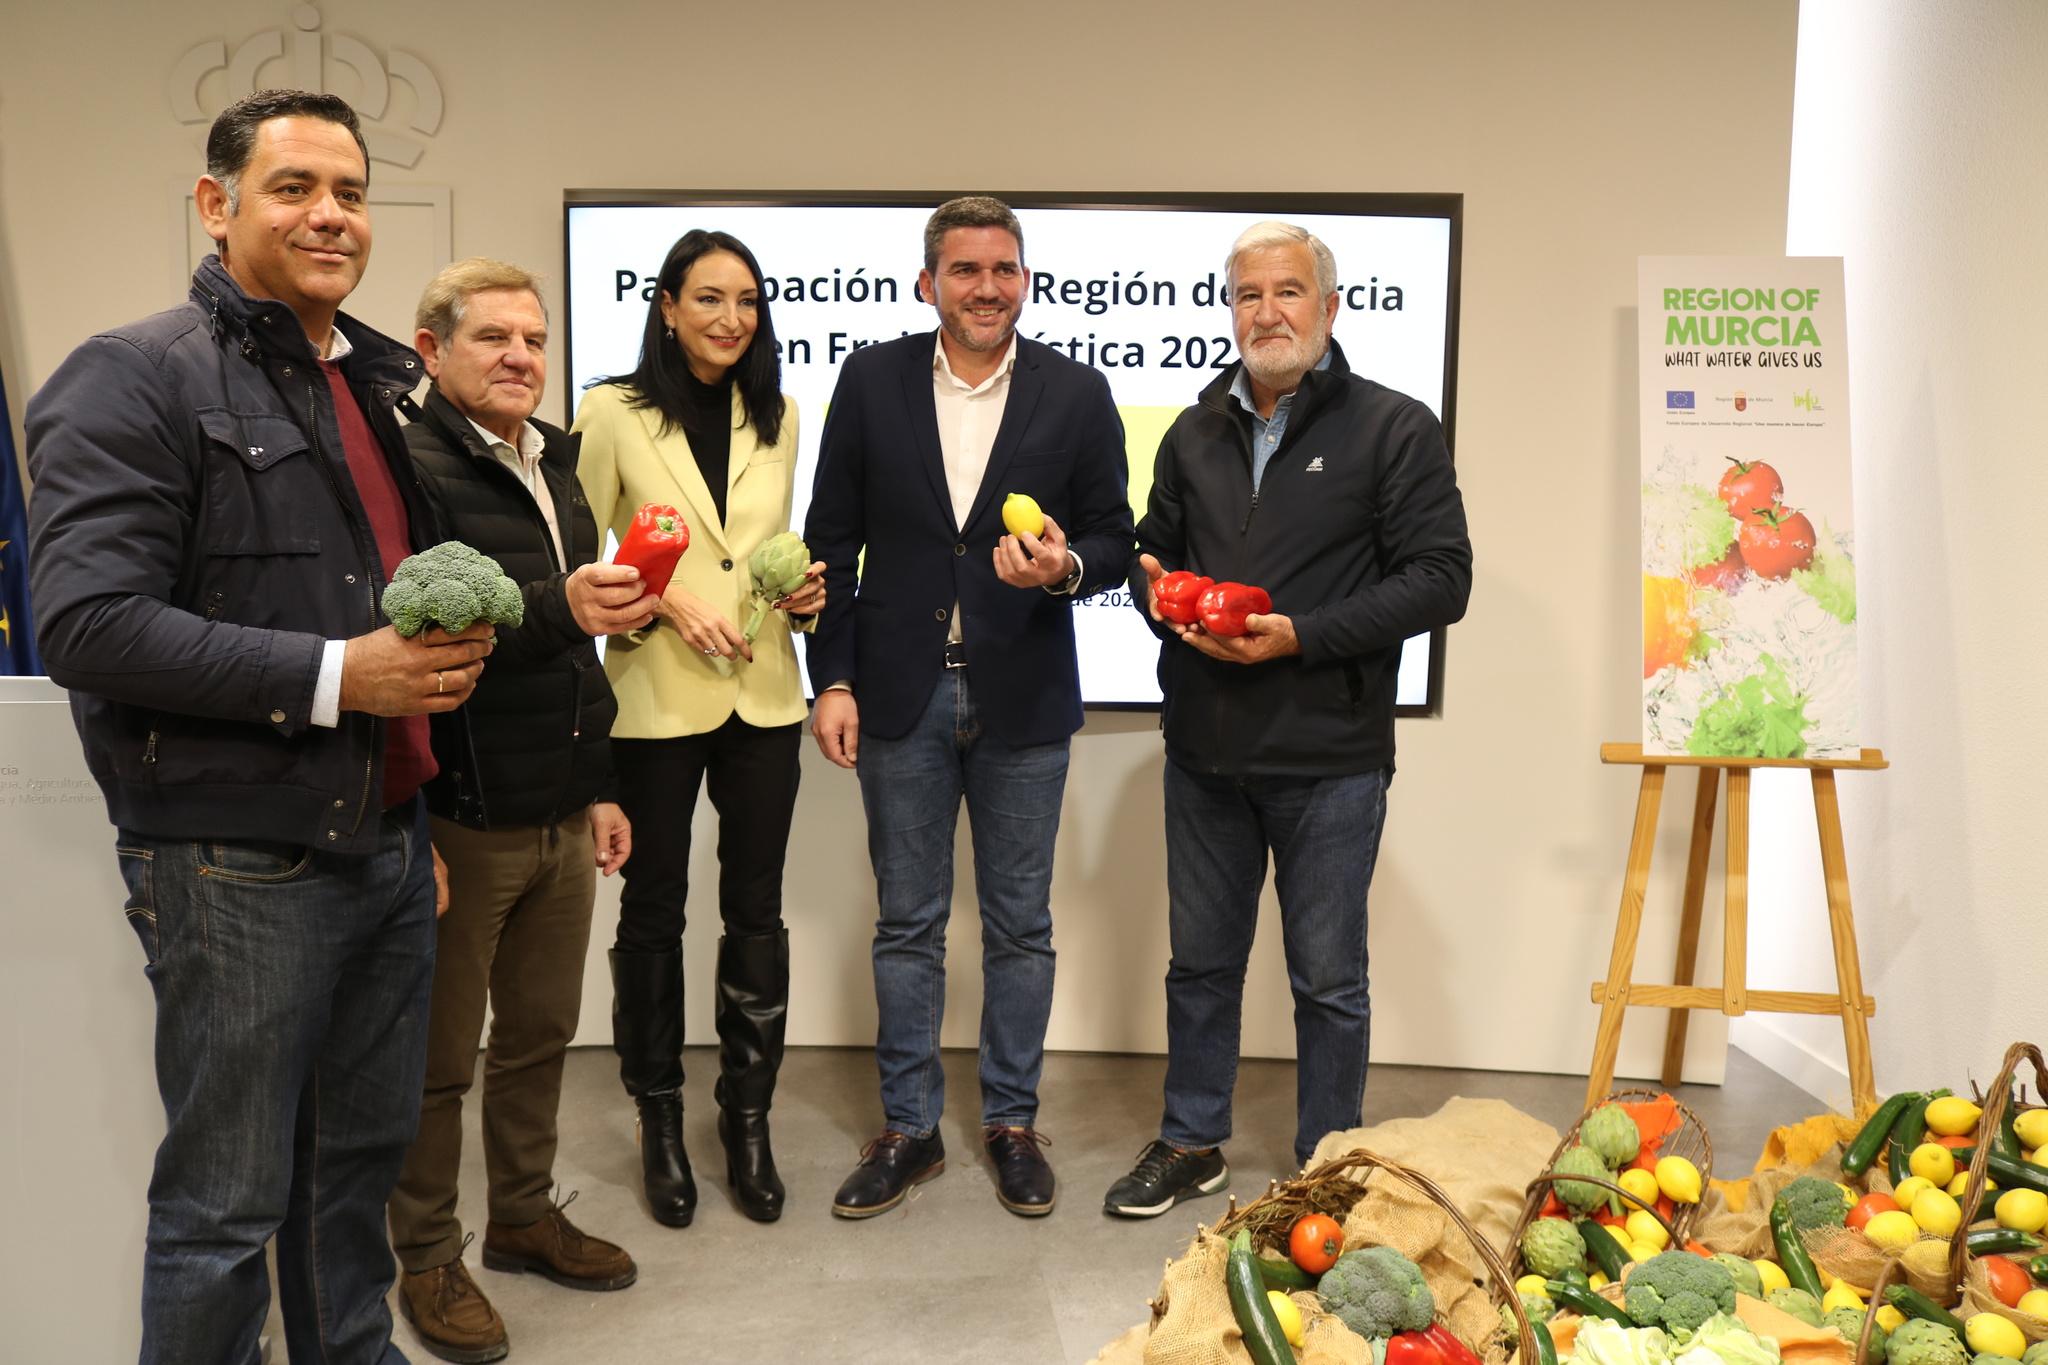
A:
{"x":1733,"y":997}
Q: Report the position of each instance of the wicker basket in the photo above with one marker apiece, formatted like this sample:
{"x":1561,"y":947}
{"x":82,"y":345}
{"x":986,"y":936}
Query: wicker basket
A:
{"x":1690,"y":1141}
{"x":1332,"y":1189}
{"x":1994,"y":1111}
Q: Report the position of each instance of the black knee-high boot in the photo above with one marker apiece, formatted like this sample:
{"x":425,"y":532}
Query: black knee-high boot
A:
{"x":753,"y":1006}
{"x":647,"y":1033}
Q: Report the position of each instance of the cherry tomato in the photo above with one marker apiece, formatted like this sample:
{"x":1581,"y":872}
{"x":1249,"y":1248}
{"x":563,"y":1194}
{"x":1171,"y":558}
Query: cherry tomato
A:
{"x":1747,"y":487}
{"x":1868,"y":1207}
{"x":2008,"y":1281}
{"x":1315,"y":1242}
{"x":1776,"y":540}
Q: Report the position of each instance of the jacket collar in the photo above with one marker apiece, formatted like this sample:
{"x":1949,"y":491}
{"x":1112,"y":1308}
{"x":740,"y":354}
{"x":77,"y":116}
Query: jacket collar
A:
{"x":266,"y":328}
{"x":1318,"y":388}
{"x":447,"y":419}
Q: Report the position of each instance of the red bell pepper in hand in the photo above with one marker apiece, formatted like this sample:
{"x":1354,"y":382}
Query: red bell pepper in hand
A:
{"x":1225,"y":605}
{"x":1177,"y":593}
{"x":653,"y":544}
{"x":1413,"y":1348}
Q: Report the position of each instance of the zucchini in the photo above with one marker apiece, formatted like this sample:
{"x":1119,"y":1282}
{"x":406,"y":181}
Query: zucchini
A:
{"x":2005,"y":1142}
{"x":1605,"y":1251}
{"x":1907,"y":1132}
{"x":1999,"y":1241}
{"x":1579,"y":1279}
{"x":1285,"y":1276}
{"x":1915,"y":1304}
{"x":2010,"y":1174}
{"x":1546,"y":1346}
{"x":1585,"y":1302}
{"x":2038,"y":1268}
{"x":1248,"y":1304}
{"x":1792,"y":1257}
{"x":1870,"y":1138}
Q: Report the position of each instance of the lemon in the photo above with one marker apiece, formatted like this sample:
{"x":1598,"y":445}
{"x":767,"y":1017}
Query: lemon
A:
{"x":2026,"y":1210}
{"x":1021,"y":516}
{"x":1598,"y":1280}
{"x":1990,"y":1334}
{"x":1531,"y":1284}
{"x":1933,"y":1163}
{"x":1679,"y":1179}
{"x":2031,"y":1127}
{"x":2034,"y":1301}
{"x":1289,"y":1314}
{"x":1772,"y":1275}
{"x":1936,"y":1211}
{"x":1889,"y":1318}
{"x":1638,"y":1251}
{"x":1895,"y":1228}
{"x":1961,"y":1183}
{"x":1833,"y":1282}
{"x":1639,"y":1183}
{"x":1953,"y":1116}
{"x":1849,"y":1196}
{"x":1907,"y":1190}
{"x":1642,"y":1226}
{"x":1841,"y":1296}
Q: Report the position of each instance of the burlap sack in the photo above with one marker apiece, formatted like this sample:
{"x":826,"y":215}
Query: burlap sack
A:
{"x":1978,"y":1298}
{"x":1191,"y":1319}
{"x":1735,"y":1214}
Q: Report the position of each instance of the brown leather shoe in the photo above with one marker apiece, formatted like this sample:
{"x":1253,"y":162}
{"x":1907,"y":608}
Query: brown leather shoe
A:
{"x":555,"y":1248}
{"x":453,"y":1318}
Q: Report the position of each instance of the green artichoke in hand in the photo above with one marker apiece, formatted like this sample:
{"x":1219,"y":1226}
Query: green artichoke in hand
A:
{"x":777,"y":567}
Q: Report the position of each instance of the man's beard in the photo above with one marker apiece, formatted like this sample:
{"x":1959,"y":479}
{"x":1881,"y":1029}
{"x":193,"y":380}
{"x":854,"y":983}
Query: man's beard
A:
{"x":957,"y":329}
{"x":1296,"y":359}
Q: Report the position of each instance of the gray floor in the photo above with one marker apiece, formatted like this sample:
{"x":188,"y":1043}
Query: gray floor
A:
{"x":950,"y":1276}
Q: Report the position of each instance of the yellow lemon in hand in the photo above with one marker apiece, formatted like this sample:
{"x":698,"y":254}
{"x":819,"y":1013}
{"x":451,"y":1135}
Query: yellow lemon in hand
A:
{"x":1893,"y":1229}
{"x":2031,"y":1127}
{"x":2034,"y":1301}
{"x":1952,"y":1116}
{"x":1936,"y":1211}
{"x":1289,"y":1314}
{"x":1021,"y":516}
{"x":1990,"y":1334}
{"x":1772,"y":1275}
{"x":1642,"y":1226}
{"x":1641,"y":1185}
{"x":1679,"y":1179}
{"x":2026,"y":1210}
{"x":1932,"y":1162}
{"x":1907,"y":1190}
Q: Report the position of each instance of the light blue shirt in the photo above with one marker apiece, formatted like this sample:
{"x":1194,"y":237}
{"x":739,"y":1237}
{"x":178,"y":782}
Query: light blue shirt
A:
{"x":1266,"y":431}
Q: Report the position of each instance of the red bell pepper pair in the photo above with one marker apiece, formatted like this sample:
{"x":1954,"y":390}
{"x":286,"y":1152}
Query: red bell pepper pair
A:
{"x":1221,"y":608}
{"x":653,"y":544}
{"x":1435,"y":1346}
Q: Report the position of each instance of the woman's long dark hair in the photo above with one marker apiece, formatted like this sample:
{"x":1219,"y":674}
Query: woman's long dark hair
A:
{"x":658,"y":381}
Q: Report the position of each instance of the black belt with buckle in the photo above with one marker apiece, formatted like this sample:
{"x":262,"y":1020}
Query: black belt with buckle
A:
{"x":956,"y":654}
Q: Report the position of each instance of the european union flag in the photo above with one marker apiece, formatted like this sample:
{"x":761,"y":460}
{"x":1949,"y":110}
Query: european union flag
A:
{"x":1678,"y":398}
{"x":17,"y":636}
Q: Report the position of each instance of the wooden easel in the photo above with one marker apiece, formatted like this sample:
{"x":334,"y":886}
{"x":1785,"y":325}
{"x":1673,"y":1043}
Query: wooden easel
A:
{"x":1618,"y":992}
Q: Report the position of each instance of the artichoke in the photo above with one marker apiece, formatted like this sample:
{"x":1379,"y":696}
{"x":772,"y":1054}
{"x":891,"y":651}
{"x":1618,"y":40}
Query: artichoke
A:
{"x":777,"y":567}
{"x":1581,"y":1160}
{"x":1609,"y":1131}
{"x":1551,"y":1246}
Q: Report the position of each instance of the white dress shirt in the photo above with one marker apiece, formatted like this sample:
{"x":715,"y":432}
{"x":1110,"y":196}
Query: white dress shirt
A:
{"x":525,"y":466}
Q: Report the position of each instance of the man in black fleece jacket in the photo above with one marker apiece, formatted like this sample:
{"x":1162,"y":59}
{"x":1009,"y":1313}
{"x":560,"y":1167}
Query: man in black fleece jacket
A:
{"x":1336,"y":495}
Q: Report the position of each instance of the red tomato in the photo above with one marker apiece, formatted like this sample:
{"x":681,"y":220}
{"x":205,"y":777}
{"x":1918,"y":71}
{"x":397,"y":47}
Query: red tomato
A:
{"x":1315,"y":1242}
{"x":2008,"y":1281}
{"x":1776,"y":540}
{"x":1868,"y":1207}
{"x":1747,"y":487}
{"x":1965,"y":1140}
{"x":1724,"y":573}
{"x":1177,"y":595}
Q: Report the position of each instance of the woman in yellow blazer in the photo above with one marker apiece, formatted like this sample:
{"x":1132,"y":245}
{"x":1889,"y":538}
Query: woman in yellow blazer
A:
{"x":702,"y":425}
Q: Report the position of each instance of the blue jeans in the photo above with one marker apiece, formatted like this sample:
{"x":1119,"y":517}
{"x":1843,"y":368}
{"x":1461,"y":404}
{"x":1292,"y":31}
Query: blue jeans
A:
{"x":291,"y":1028}
{"x":1325,"y":838}
{"x":911,"y":788}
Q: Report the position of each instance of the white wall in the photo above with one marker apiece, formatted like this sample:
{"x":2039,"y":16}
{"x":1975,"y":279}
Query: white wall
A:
{"x":1582,"y":135}
{"x":1920,"y":155}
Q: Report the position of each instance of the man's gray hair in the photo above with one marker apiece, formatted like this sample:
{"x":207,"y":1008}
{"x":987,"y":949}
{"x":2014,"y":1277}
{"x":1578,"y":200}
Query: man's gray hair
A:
{"x":971,"y":211}
{"x":1272,"y":233}
{"x":447,"y":295}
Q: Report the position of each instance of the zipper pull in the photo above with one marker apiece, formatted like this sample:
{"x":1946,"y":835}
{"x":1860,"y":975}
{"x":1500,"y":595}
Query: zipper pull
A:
{"x":1248,"y":513}
{"x":149,"y":751}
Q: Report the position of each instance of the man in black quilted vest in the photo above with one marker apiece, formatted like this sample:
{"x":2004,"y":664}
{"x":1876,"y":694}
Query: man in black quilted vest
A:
{"x":522,"y":867}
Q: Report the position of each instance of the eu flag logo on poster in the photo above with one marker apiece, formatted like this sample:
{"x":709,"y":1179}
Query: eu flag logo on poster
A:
{"x":1678,"y":399}
{"x":17,"y":637}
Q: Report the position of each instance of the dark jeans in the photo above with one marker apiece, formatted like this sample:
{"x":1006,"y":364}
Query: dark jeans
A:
{"x":911,"y":788}
{"x":752,"y":772}
{"x":1325,"y":838}
{"x":291,"y":988}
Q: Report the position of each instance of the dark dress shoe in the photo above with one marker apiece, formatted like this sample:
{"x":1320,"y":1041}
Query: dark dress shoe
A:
{"x":1024,"y":1181}
{"x":664,"y":1165}
{"x":889,"y":1166}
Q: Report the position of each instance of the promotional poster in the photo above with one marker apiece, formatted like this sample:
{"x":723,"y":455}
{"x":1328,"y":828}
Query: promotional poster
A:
{"x":1749,"y":550}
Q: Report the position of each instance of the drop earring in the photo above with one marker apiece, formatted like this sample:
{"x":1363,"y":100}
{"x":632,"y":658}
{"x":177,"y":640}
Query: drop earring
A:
{"x":671,"y":334}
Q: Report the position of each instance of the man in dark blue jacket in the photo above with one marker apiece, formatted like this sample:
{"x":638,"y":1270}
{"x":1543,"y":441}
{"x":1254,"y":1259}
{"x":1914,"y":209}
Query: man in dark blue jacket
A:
{"x":949,"y":670}
{"x":1336,"y":495}
{"x":221,"y":492}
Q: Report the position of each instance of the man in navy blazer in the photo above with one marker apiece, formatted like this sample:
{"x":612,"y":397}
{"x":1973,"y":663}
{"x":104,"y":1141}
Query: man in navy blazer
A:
{"x":945,"y":665}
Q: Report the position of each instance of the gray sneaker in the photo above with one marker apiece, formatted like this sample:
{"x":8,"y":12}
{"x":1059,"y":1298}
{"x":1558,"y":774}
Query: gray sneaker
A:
{"x":1163,"y":1177}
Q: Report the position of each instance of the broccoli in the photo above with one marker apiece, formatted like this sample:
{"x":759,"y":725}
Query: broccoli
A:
{"x":1917,"y":1341}
{"x":1798,"y":1303}
{"x":1849,"y":1322}
{"x":1377,"y":1292}
{"x":1678,"y":1290}
{"x":1747,"y":1281}
{"x":1581,"y":1160}
{"x":451,"y":585}
{"x":1609,"y":1131}
{"x":1551,"y":1246}
{"x":1814,"y":1203}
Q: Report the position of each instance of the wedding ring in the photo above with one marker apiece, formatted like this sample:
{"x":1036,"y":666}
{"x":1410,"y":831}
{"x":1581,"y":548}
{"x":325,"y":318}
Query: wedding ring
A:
{"x":440,"y":683}
{"x":710,"y":651}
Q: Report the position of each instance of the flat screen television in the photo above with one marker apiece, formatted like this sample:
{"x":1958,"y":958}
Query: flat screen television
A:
{"x":1131,"y":284}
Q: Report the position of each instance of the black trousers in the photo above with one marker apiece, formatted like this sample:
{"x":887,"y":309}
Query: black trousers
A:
{"x":752,"y":772}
